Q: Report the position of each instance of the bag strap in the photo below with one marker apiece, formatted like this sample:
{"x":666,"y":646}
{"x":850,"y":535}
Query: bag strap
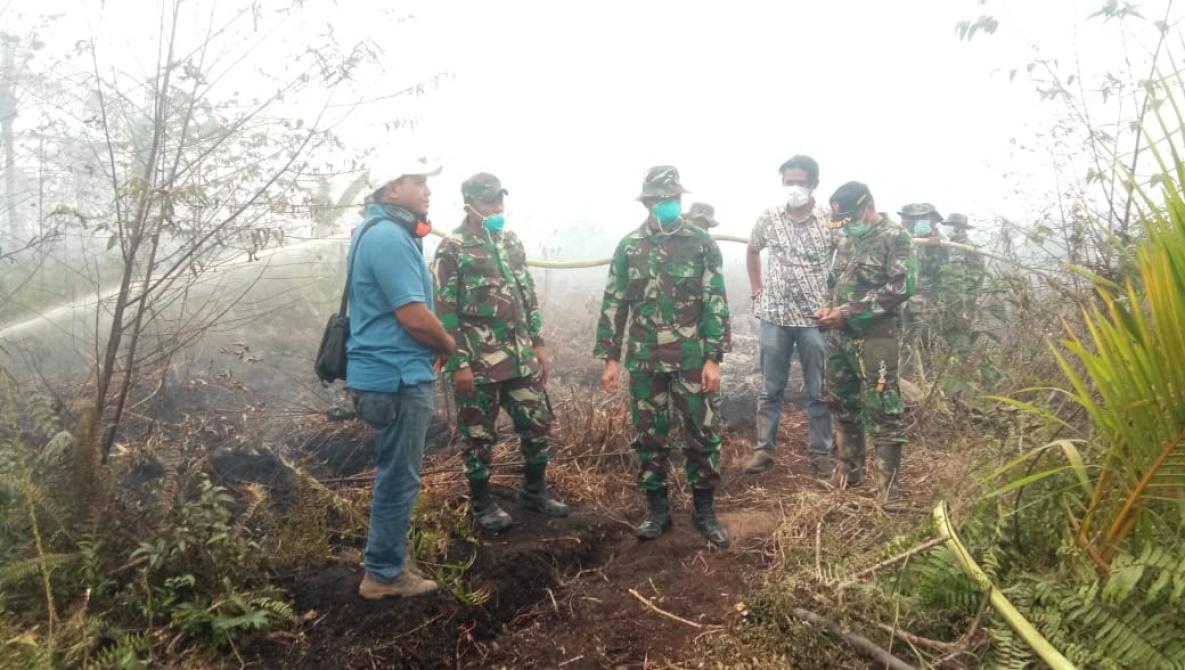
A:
{"x":350,"y":262}
{"x":499,"y":247}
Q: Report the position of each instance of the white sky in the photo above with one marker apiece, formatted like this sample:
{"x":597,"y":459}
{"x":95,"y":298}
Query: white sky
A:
{"x":569,"y":103}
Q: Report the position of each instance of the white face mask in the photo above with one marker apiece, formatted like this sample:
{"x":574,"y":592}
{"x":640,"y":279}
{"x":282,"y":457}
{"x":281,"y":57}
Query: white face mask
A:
{"x":797,"y":196}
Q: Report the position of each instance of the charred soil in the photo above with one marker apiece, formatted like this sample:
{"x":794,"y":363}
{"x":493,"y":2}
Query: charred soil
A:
{"x":577,"y":592}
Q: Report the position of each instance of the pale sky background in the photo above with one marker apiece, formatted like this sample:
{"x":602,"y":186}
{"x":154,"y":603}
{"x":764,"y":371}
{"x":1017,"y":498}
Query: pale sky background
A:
{"x":569,"y":103}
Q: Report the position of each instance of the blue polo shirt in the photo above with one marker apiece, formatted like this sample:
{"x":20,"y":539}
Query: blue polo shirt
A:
{"x":389,"y":273}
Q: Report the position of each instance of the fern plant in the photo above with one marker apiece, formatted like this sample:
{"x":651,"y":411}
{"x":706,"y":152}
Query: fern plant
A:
{"x":232,"y":616}
{"x":1097,"y":633}
{"x":126,"y":653}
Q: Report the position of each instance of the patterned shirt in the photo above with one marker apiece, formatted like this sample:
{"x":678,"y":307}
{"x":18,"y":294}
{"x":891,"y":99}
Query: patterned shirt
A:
{"x":800,"y":254}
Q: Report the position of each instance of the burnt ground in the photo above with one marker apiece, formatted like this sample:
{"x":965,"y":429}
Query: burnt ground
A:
{"x":560,"y":589}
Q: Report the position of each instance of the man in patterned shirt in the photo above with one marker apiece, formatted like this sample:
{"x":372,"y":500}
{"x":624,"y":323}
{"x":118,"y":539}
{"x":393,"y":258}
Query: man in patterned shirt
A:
{"x":801,"y":247}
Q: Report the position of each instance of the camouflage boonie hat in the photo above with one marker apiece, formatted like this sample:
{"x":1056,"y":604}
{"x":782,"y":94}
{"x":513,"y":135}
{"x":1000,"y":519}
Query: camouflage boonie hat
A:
{"x":919,"y":209}
{"x":482,"y":186}
{"x":662,"y":182}
{"x":702,"y":214}
{"x":957,"y":221}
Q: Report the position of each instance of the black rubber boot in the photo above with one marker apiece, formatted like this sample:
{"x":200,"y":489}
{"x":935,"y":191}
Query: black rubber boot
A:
{"x":659,"y":520}
{"x":822,"y":466}
{"x":851,"y":456}
{"x":704,"y":516}
{"x":534,"y":495}
{"x":888,"y":458}
{"x":484,"y":510}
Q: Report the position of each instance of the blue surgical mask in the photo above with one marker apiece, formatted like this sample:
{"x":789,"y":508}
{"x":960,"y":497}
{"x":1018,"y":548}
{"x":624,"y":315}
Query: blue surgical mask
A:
{"x":856,"y":227}
{"x":494,"y":223}
{"x":667,"y":211}
{"x":921,"y":228}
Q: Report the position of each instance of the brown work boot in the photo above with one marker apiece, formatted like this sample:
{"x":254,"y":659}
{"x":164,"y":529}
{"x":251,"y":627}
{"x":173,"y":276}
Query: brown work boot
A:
{"x":405,"y":585}
{"x":760,"y":461}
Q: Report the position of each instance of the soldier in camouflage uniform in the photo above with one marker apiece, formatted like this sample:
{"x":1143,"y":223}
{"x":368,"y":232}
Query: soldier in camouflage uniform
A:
{"x":666,"y":283}
{"x":486,"y":301}
{"x":873,"y":274}
{"x":702,"y":215}
{"x":923,"y":313}
{"x":962,"y":279}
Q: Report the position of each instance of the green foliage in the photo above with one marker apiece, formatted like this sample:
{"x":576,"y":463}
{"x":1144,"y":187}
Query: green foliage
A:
{"x":1096,"y":634}
{"x":1124,"y":369}
{"x":940,"y":584}
{"x":177,"y":578}
{"x":304,"y":537}
{"x":20,"y":649}
{"x":985,"y":23}
{"x":231,"y":617}
{"x":1158,"y":573}
{"x":125,"y":654}
{"x":198,"y":537}
{"x":1091,"y":632}
{"x":21,"y":570}
{"x":1127,"y":619}
{"x":1007,"y":651}
{"x":452,"y":577}
{"x":1113,"y":501}
{"x":435,"y":523}
{"x":1129,"y":379}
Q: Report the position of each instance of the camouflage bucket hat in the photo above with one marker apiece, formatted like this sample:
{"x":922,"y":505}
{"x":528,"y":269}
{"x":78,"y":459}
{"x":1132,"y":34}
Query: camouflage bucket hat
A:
{"x":701,"y":213}
{"x":662,"y":182}
{"x":482,"y":186}
{"x":916,"y":210}
{"x":957,"y":221}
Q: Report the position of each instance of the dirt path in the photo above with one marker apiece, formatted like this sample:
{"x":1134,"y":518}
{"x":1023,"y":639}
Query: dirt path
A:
{"x":560,"y":589}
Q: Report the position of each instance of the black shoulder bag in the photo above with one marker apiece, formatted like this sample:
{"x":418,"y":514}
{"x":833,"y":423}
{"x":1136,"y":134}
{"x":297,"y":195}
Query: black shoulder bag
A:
{"x":331,"y":355}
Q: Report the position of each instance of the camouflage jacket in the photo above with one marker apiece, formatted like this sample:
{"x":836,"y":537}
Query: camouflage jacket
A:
{"x":670,"y":288}
{"x":962,"y":280}
{"x":969,"y":265}
{"x":932,"y":258}
{"x":485,"y":297}
{"x":872,"y":275}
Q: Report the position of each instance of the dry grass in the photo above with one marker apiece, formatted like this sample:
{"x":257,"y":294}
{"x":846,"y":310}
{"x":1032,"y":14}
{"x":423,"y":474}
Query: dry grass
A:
{"x":803,"y":535}
{"x":823,"y":536}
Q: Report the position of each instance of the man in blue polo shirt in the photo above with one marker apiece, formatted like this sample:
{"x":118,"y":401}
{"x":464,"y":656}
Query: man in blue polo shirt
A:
{"x":395,"y":348}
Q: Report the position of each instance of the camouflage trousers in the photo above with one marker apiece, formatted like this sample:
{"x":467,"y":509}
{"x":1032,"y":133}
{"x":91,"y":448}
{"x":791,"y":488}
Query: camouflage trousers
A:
{"x":525,"y":400}
{"x":653,"y":397}
{"x":863,"y":390}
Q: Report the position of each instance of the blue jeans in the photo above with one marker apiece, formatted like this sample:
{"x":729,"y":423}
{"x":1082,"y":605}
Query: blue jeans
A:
{"x":400,"y":422}
{"x":776,"y":345}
